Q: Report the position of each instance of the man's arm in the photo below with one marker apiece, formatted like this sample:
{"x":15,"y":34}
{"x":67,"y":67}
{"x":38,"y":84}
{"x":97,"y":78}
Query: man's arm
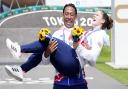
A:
{"x":50,"y":49}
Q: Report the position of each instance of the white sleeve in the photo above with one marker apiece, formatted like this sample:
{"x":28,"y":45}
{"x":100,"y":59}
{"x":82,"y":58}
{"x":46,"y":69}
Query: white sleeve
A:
{"x":45,"y":60}
{"x":106,"y":40}
{"x":89,"y":55}
{"x":57,"y":33}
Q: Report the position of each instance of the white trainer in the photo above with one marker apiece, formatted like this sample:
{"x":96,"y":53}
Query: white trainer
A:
{"x":15,"y":72}
{"x":14,"y":48}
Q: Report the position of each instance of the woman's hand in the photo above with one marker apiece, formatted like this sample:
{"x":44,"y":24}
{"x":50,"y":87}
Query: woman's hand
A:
{"x":51,"y":48}
{"x":75,"y":44}
{"x":85,"y":44}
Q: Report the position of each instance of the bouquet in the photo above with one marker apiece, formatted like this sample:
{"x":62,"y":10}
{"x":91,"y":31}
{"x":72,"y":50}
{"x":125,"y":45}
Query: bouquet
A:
{"x":76,"y":33}
{"x":43,"y":33}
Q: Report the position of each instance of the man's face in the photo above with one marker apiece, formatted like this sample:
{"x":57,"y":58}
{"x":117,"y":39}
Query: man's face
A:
{"x":69,"y":17}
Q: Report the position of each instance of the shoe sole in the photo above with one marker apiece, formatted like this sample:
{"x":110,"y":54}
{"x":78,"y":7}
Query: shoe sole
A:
{"x":8,"y":41}
{"x":12,"y":75}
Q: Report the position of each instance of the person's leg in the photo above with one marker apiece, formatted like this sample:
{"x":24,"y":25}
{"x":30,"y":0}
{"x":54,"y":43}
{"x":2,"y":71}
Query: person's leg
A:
{"x":32,"y":62}
{"x":34,"y":47}
{"x":83,"y":86}
{"x":16,"y":49}
{"x":18,"y":71}
{"x":58,"y":86}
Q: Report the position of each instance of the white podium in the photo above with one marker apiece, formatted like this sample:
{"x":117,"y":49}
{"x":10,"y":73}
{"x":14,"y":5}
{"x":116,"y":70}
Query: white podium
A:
{"x":120,"y":34}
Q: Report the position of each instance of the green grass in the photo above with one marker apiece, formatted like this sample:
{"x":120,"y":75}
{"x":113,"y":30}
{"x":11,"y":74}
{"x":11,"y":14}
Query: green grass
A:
{"x":118,"y":74}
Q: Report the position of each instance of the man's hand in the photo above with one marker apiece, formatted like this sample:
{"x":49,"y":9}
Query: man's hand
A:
{"x":51,"y":48}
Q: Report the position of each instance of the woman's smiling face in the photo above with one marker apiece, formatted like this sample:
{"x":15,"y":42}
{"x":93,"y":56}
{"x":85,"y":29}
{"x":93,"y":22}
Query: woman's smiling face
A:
{"x":98,"y":19}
